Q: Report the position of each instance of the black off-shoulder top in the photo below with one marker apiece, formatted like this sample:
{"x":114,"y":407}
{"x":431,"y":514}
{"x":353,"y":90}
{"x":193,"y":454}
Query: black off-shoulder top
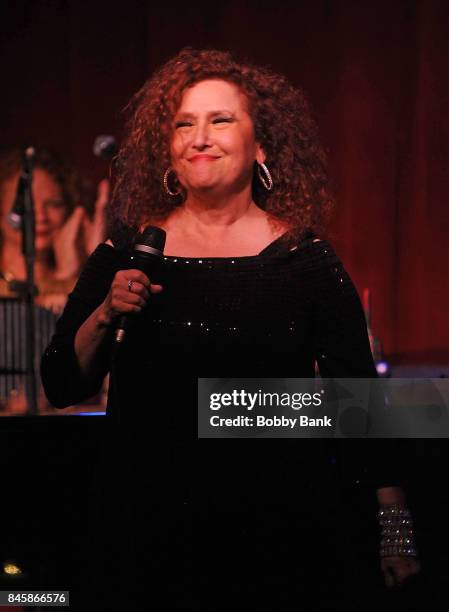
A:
{"x":270,"y":315}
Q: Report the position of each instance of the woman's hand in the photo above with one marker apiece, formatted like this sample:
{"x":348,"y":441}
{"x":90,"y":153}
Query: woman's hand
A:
{"x":79,"y":236}
{"x":397,"y":570}
{"x":130,"y":291}
{"x":66,"y":246}
{"x":95,"y":230}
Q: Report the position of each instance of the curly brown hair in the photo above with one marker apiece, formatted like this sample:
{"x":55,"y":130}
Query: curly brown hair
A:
{"x":283,"y":124}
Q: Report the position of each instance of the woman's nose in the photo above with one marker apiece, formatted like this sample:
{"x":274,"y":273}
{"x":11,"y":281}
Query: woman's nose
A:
{"x":40,"y":211}
{"x":201,"y":137}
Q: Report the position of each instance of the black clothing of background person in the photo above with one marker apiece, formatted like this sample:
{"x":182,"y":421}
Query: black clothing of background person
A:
{"x":268,"y":315}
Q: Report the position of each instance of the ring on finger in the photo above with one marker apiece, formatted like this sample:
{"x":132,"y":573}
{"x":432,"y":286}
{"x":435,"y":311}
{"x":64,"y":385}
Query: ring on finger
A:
{"x":130,"y":285}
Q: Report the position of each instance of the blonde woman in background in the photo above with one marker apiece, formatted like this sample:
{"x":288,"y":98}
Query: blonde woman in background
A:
{"x":69,"y":225}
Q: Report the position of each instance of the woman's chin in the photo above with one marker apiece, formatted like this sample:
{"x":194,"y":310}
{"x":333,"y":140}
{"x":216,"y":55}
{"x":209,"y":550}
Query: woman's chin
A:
{"x":42,"y":244}
{"x":206,"y":186}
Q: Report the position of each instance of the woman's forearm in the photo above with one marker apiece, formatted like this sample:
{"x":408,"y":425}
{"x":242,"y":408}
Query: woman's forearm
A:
{"x":388,"y":496}
{"x":129,"y":292}
{"x":90,"y":339}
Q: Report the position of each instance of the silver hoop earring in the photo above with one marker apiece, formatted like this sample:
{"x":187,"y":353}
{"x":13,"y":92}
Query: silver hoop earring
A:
{"x":166,"y":187}
{"x":266,"y":180}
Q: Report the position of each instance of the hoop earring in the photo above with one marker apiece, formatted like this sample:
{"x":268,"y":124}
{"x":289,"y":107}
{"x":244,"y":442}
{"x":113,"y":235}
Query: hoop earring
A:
{"x":266,"y":180}
{"x":166,"y":187}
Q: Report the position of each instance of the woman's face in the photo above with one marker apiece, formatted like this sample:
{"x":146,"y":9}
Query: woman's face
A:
{"x":213,"y":147}
{"x":50,"y":211}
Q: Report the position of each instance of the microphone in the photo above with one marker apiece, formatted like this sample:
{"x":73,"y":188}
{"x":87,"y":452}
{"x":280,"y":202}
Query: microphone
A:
{"x":18,"y":209}
{"x":105,"y":146}
{"x":148,"y":250}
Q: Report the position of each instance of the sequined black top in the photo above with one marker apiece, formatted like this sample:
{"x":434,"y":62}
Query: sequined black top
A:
{"x":269,"y":315}
{"x":272,"y":314}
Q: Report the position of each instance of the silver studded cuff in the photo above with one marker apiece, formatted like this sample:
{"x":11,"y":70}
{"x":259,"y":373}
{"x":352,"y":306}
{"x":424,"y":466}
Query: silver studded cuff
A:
{"x":397,"y":532}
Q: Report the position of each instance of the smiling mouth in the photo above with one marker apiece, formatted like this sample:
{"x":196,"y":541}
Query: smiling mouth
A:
{"x":203,"y":157}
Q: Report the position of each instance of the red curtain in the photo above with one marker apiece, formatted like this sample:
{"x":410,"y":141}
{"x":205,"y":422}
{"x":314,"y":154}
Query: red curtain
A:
{"x":376,"y":73}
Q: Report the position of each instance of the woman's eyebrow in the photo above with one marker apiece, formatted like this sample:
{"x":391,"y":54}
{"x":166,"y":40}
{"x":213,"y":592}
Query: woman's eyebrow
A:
{"x":53,"y":201}
{"x":209,"y":114}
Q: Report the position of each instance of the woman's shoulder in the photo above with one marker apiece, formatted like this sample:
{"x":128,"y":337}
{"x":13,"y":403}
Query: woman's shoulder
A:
{"x":307,"y":250}
{"x":300,"y":241}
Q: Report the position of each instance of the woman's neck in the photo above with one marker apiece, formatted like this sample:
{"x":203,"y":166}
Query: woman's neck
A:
{"x":218,"y":211}
{"x":219,"y":217}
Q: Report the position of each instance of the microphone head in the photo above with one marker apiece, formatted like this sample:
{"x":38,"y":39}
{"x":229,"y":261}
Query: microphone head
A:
{"x":29,"y":157}
{"x":30,"y":153}
{"x":14,"y":220}
{"x":151,"y":238}
{"x":105,"y":146}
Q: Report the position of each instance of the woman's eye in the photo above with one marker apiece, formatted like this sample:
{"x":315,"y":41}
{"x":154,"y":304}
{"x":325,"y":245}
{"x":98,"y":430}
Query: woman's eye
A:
{"x":54,"y":204}
{"x":182,"y":124}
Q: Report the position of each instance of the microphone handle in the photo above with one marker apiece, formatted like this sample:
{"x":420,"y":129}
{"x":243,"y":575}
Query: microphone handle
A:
{"x":147,"y":255}
{"x":120,"y":331}
{"x":125,"y":319}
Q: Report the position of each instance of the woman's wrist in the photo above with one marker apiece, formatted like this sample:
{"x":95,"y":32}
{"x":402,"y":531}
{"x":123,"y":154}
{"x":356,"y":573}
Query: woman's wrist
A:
{"x":395,"y":523}
{"x":90,"y":339}
{"x":389,"y":496}
{"x":67,"y":273}
{"x":104,"y":318}
{"x":397,"y":531}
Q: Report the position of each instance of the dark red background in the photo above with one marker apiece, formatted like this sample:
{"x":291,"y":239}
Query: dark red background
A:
{"x":376,"y":73}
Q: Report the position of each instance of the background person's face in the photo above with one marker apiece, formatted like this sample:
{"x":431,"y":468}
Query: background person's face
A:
{"x":49,"y":208}
{"x":213,"y":147}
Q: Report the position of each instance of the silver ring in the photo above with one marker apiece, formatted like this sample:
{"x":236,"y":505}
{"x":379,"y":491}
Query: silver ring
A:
{"x":130,"y":285}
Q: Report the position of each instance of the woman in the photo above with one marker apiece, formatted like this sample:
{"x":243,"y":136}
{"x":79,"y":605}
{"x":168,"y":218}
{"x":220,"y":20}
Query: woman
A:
{"x":225,"y":158}
{"x":65,"y":233}
{"x":65,"y":236}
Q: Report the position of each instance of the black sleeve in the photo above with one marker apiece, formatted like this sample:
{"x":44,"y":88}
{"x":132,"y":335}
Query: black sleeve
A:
{"x":63,"y":382}
{"x":342,"y":350}
{"x":341,"y":343}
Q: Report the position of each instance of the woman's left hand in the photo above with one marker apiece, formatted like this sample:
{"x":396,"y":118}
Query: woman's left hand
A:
{"x":79,"y":236}
{"x":95,"y":230}
{"x":397,"y":570}
{"x":65,"y":246}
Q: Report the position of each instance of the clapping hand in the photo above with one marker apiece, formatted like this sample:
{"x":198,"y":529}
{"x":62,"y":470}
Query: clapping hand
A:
{"x":79,"y":235}
{"x":95,"y":230}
